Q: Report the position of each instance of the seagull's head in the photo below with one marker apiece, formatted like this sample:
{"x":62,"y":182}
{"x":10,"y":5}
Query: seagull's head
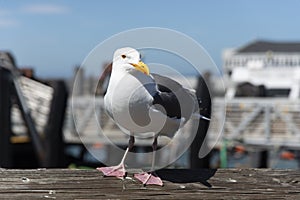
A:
{"x":129,"y":58}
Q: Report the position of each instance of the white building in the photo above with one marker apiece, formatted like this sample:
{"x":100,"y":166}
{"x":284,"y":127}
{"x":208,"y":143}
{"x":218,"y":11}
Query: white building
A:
{"x":275,"y":66}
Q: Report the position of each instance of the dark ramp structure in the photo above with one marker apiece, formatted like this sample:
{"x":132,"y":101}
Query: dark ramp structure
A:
{"x":31,"y":119}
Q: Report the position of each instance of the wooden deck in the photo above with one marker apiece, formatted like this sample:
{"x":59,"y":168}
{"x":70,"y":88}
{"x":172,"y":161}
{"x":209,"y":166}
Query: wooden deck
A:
{"x":179,"y":184}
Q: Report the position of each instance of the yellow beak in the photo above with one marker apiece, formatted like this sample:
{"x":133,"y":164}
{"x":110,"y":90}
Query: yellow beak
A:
{"x":141,"y":67}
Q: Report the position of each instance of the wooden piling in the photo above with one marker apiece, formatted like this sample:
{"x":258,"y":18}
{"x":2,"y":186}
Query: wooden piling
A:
{"x":54,"y":145}
{"x":5,"y":119}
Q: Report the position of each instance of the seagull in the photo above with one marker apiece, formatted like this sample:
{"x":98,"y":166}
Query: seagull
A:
{"x":141,"y":103}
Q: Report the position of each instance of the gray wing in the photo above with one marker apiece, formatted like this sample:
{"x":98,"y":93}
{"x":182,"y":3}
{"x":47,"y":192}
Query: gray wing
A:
{"x":176,"y":100}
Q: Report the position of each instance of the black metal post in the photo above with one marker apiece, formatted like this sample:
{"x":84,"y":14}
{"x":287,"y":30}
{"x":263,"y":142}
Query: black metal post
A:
{"x":263,"y":159}
{"x":203,"y":94}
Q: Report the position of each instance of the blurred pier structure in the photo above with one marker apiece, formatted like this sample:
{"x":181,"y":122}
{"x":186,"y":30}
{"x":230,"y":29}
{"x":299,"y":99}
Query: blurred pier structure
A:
{"x":263,"y":127}
{"x":32,"y":116}
{"x":257,"y":123}
{"x":261,"y":122}
{"x":262,"y":92}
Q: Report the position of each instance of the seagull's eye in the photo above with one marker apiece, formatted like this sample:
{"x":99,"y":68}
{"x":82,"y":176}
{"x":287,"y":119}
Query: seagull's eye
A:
{"x":123,"y":56}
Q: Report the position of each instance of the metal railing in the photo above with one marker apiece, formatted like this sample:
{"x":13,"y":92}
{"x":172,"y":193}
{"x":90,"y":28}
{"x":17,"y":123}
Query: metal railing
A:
{"x":265,"y":122}
{"x":262,"y":122}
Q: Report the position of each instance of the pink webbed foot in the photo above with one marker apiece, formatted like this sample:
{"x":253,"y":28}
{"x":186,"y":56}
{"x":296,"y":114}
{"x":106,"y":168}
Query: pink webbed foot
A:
{"x":149,"y":178}
{"x":117,"y":171}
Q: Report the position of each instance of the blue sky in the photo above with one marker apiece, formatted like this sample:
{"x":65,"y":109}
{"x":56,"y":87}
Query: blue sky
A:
{"x":54,"y":36}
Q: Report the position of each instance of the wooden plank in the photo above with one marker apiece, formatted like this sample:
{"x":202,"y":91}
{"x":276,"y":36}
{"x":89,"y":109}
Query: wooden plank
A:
{"x":178,"y":184}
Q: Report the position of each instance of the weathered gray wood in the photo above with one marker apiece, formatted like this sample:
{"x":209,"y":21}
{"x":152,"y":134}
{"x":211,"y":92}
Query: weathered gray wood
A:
{"x":186,"y":184}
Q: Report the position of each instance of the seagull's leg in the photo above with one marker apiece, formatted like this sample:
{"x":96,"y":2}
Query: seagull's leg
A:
{"x":118,"y":170}
{"x":150,"y":178}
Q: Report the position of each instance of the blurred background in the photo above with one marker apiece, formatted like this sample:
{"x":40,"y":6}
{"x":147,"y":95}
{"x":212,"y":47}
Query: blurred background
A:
{"x":255,"y":45}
